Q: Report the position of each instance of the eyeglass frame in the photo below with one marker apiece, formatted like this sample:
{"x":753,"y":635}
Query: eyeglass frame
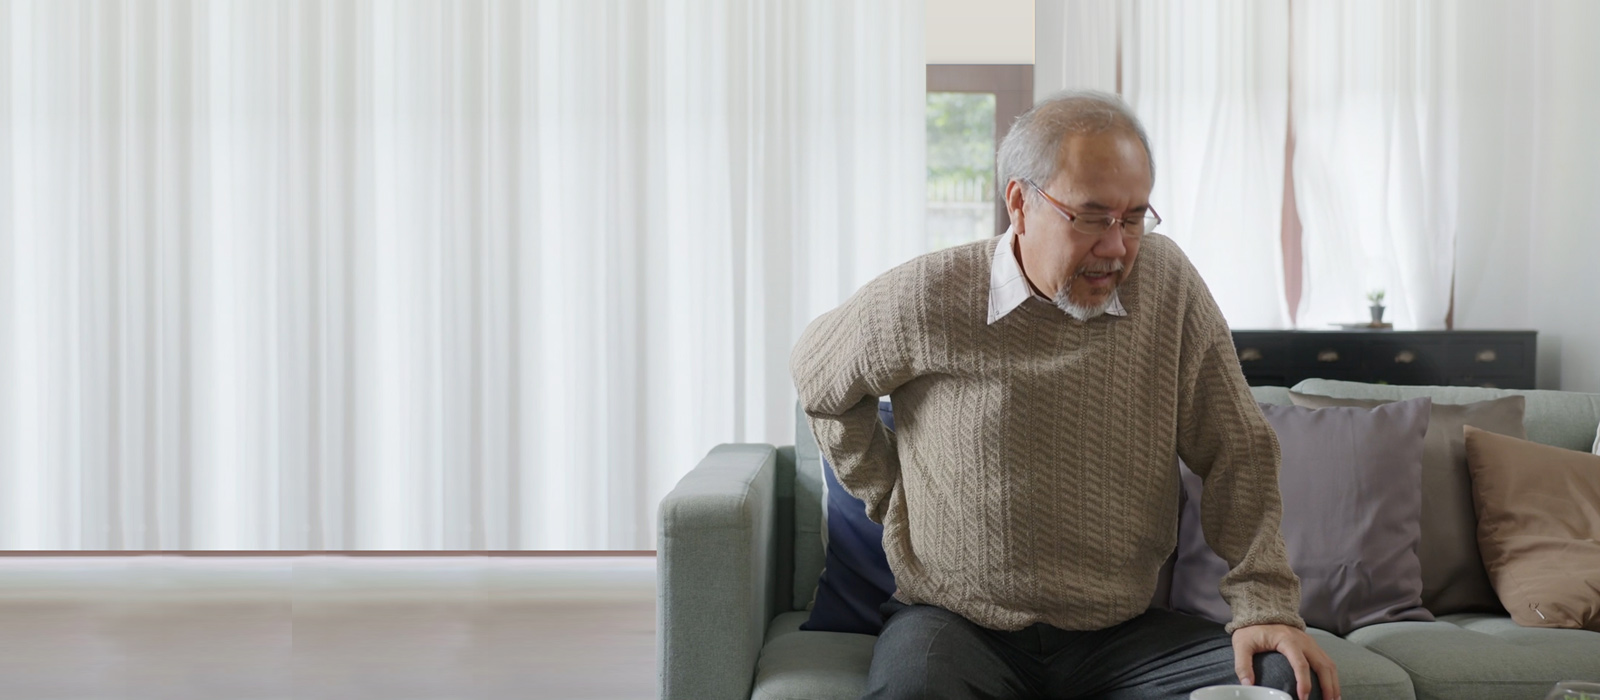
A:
{"x":1072,"y":217}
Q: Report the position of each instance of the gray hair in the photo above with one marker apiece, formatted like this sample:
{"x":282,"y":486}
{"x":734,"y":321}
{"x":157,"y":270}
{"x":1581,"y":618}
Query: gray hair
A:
{"x":1030,"y":151}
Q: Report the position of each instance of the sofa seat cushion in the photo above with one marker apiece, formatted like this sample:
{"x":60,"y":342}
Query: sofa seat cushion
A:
{"x":1364,"y":675}
{"x":1468,"y":656}
{"x":800,"y":665}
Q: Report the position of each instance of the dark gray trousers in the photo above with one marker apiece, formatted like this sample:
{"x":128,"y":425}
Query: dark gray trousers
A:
{"x":929,"y":652}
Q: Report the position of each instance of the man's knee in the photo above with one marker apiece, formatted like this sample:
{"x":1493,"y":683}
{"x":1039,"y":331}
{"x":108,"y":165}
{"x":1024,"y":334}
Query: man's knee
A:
{"x":1273,"y":670}
{"x":928,"y":652}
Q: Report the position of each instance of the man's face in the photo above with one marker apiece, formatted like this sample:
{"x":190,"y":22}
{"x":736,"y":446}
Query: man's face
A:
{"x":1104,"y":172}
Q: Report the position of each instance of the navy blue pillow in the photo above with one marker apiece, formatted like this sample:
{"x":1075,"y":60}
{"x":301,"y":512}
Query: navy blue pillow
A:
{"x":855,"y":577}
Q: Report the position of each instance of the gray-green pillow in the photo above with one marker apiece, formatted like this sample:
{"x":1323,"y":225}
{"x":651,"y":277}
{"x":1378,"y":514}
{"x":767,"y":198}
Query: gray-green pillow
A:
{"x":1453,"y":575}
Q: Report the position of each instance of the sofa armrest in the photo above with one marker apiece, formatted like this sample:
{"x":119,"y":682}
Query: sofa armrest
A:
{"x":716,"y":565}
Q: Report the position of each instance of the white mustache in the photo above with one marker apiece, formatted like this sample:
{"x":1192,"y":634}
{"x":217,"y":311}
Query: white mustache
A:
{"x":1113,"y":266}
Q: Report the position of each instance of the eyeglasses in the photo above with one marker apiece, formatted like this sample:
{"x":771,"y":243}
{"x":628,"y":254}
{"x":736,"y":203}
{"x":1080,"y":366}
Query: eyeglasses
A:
{"x":1096,"y":225}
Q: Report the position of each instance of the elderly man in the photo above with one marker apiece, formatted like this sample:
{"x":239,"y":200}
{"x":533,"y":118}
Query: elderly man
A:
{"x":1042,"y":385}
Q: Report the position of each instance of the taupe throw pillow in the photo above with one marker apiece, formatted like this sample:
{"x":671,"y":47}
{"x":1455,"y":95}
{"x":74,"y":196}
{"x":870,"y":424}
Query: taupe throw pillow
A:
{"x":1350,"y":482}
{"x":1453,"y":577}
{"x":1539,"y":528}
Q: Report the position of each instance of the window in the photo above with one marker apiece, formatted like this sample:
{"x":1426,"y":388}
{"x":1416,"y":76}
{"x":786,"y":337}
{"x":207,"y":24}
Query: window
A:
{"x":961,"y":148}
{"x":970,"y":110}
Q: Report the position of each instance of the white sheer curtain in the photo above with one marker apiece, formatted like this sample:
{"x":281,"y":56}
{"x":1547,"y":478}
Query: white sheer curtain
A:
{"x":1075,"y":45}
{"x":1375,"y":164}
{"x":1209,"y":80}
{"x":418,"y":275}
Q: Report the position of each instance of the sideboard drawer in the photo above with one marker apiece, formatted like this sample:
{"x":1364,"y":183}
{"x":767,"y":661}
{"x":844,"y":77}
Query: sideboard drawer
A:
{"x":1328,"y":353}
{"x":1399,"y":360}
{"x":1487,"y":357}
{"x":1261,"y":352}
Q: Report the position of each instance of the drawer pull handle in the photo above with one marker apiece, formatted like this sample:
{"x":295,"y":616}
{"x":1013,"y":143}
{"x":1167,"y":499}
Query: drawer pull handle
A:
{"x":1249,"y":355}
{"x":1328,"y":356}
{"x":1487,"y":356}
{"x":1405,"y":357}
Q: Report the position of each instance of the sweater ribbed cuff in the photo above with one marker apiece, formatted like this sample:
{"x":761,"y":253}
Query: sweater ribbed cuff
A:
{"x":1266,"y":617}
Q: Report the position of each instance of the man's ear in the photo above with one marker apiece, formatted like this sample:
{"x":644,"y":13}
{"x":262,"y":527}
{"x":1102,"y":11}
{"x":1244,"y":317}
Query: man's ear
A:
{"x":1014,"y":198}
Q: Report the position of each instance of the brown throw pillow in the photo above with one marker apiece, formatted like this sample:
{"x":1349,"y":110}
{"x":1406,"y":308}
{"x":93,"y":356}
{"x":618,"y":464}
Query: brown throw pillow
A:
{"x":1453,"y":577}
{"x":1539,"y":528}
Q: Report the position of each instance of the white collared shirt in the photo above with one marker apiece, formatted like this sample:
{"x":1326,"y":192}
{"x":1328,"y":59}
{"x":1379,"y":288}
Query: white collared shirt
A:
{"x":1008,"y":288}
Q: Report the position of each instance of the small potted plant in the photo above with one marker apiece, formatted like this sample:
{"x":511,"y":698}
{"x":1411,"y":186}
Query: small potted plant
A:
{"x":1376,"y":297}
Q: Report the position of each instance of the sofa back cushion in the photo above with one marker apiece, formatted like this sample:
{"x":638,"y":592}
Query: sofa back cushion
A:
{"x":1275,"y":395}
{"x":1565,"y":419}
{"x":1453,"y":577}
{"x":1351,"y":489}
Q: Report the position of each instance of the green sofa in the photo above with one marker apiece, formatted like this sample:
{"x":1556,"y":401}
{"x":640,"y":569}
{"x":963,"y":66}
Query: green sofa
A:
{"x":740,"y":551}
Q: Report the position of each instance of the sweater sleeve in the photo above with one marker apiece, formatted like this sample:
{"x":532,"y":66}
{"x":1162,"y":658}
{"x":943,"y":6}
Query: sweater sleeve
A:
{"x":1224,"y":438}
{"x":844,"y":361}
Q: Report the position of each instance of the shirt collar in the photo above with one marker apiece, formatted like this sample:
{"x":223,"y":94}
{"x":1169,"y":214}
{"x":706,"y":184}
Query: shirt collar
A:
{"x":1008,"y":288}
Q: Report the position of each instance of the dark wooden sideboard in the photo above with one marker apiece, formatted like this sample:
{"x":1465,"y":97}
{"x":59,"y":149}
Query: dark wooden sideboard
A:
{"x":1500,"y":359}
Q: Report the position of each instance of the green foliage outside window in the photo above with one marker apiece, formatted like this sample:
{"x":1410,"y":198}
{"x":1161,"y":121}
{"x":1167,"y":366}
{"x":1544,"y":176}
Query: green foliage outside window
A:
{"x":960,"y":140}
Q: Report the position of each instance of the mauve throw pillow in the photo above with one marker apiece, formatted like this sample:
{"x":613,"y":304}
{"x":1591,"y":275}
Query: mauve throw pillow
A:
{"x":855,"y":573}
{"x":1351,"y":488}
{"x":1539,"y":527}
{"x":1453,"y":577}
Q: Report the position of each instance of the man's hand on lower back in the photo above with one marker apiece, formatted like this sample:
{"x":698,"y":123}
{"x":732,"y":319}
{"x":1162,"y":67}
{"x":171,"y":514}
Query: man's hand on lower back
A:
{"x":1298,"y":647}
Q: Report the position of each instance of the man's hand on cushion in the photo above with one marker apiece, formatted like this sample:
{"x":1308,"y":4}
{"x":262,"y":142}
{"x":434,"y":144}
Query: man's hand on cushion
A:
{"x":1298,"y":647}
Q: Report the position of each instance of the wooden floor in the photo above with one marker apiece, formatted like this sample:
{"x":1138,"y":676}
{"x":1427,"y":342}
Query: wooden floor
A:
{"x":210,"y":628}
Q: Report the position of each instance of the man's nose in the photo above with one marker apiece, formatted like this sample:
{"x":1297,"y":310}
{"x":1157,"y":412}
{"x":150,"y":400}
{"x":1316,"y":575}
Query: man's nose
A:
{"x":1111,"y":245}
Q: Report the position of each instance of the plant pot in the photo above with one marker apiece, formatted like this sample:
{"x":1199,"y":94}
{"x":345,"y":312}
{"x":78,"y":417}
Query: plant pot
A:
{"x":1377,"y":314}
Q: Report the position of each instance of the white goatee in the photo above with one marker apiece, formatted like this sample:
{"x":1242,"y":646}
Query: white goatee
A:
{"x":1080,"y":311}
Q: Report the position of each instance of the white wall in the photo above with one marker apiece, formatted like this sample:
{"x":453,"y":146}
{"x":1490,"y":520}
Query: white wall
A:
{"x":991,"y":31}
{"x":1528,"y":245}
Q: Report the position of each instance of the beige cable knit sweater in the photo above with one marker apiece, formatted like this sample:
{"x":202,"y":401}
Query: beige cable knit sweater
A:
{"x":1032,"y":475}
